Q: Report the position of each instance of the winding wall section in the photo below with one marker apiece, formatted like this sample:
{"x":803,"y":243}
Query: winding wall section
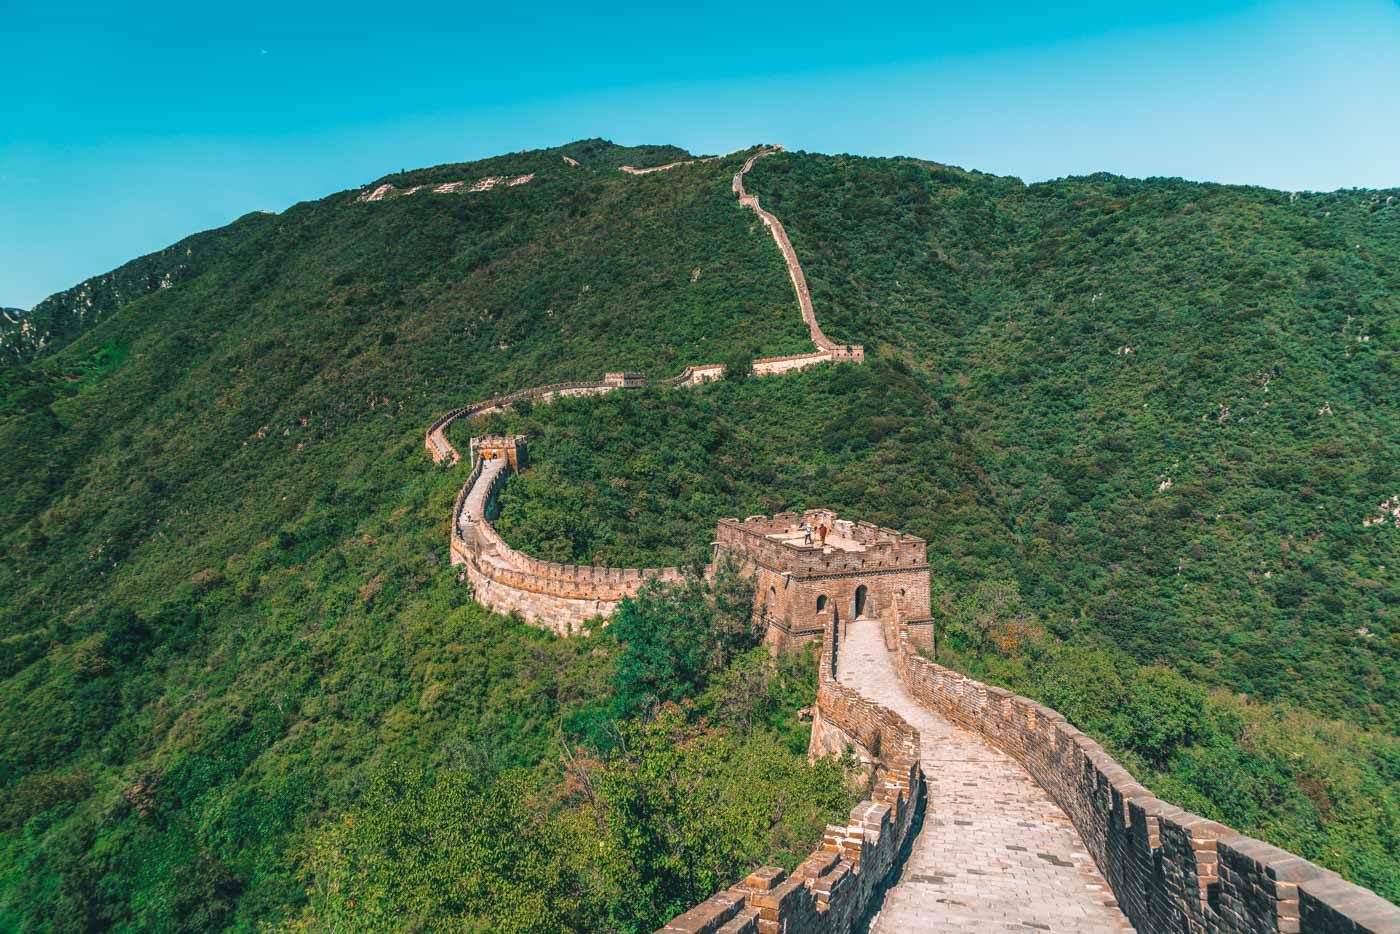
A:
{"x":1169,"y":870}
{"x":834,"y":888}
{"x":1050,"y":818}
{"x":559,"y":596}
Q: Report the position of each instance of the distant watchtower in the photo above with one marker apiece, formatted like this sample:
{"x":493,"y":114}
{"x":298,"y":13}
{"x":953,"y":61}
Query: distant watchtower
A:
{"x":490,"y":447}
{"x":862,"y":571}
{"x":618,"y":379}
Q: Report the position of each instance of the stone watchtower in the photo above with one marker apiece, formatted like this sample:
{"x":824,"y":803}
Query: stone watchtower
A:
{"x":490,"y":447}
{"x":801,"y":589}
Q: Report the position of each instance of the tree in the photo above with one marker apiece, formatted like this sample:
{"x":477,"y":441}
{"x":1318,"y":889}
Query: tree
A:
{"x":993,"y":609}
{"x":672,"y":637}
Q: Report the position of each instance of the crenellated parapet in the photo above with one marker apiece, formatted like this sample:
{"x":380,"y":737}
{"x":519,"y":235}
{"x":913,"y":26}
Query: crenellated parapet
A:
{"x":803,"y":583}
{"x":1170,"y":870}
{"x":561,"y":597}
{"x":833,"y":889}
{"x":440,"y":449}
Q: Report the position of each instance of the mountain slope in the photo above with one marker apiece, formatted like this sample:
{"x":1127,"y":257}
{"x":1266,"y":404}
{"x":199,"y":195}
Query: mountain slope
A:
{"x":228,"y":613}
{"x":223,"y":540}
{"x":59,"y":319}
{"x":1182,"y":396}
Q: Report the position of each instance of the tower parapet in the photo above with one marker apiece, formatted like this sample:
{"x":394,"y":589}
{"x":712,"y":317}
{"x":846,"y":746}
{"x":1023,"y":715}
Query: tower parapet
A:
{"x":805,"y":584}
{"x":491,"y":447}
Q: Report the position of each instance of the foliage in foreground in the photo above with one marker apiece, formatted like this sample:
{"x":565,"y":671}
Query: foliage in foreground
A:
{"x":676,"y":804}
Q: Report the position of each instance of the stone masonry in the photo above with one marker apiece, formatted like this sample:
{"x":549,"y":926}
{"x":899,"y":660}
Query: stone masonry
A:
{"x":995,"y":852}
{"x":1028,"y":825}
{"x":802,"y":587}
{"x":832,"y":890}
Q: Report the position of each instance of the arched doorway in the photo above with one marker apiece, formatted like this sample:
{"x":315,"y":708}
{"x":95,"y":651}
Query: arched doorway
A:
{"x":861,"y":594}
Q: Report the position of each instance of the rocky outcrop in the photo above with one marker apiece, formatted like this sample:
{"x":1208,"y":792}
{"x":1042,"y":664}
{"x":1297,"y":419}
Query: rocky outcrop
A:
{"x":387,"y":191}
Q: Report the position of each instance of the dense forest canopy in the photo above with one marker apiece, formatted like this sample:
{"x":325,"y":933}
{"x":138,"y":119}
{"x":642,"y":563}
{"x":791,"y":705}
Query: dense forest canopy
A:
{"x":1154,"y":419}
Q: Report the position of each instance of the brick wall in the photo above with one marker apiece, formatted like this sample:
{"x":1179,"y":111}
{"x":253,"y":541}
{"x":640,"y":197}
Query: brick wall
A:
{"x":832,"y":889}
{"x":775,"y":227}
{"x":1170,"y":870}
{"x":560,"y":597}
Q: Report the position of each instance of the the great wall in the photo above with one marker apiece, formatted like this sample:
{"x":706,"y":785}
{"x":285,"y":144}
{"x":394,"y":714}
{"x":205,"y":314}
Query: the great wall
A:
{"x":987,"y":811}
{"x":564,"y":596}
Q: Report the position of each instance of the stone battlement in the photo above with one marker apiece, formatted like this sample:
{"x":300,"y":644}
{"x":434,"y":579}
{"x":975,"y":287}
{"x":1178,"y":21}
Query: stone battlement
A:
{"x":834,"y":887}
{"x":850,"y":544}
{"x":561,"y":597}
{"x":799,"y":279}
{"x":1170,"y":870}
{"x":863,"y":570}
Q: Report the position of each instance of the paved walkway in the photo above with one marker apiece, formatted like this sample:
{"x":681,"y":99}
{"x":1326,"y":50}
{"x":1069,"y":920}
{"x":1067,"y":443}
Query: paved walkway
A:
{"x":475,"y":506}
{"x":995,"y":852}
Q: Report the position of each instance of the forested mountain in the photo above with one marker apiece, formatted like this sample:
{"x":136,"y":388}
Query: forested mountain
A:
{"x":59,"y":319}
{"x":238,"y":670}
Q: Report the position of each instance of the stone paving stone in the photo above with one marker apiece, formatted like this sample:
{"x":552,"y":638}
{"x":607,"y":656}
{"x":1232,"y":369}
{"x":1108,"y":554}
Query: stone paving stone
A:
{"x":995,"y":852}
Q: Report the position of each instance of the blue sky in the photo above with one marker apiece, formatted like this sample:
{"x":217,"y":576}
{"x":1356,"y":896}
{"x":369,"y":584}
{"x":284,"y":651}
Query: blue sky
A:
{"x":125,"y":126}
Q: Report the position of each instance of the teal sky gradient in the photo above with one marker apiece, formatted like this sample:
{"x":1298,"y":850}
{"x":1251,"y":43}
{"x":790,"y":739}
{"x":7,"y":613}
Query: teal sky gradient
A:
{"x":126,"y":126}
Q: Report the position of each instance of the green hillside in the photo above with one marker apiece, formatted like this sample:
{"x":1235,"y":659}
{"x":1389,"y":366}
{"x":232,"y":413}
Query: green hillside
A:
{"x":640,"y":478}
{"x":227,"y":608}
{"x":58,"y":320}
{"x":238,"y":671}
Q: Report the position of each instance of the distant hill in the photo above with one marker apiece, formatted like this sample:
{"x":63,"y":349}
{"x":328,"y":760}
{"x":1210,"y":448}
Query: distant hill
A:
{"x":1165,"y":411}
{"x":59,"y":319}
